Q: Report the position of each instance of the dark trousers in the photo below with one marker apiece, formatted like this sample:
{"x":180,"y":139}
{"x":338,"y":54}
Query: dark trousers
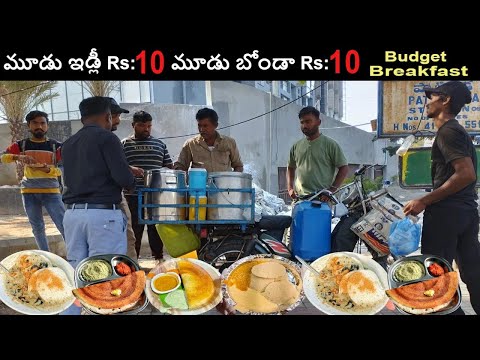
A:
{"x":275,"y":225}
{"x":452,"y":233}
{"x":156,"y":244}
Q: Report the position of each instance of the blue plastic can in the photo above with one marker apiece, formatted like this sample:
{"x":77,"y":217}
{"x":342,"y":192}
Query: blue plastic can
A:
{"x":197,"y":180}
{"x":311,"y":229}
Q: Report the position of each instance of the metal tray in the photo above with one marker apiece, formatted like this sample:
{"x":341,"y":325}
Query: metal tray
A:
{"x":425,"y":260}
{"x":290,"y":267}
{"x":112,"y":260}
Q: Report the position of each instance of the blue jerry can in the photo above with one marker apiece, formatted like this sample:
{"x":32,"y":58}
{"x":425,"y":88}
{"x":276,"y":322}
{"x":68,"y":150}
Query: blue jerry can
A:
{"x":311,"y":229}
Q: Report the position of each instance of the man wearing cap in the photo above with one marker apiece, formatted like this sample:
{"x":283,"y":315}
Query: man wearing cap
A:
{"x":116,"y":111}
{"x":451,"y":221}
{"x":95,"y":172}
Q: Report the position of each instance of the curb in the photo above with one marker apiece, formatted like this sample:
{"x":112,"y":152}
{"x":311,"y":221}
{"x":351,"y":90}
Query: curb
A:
{"x":13,"y":245}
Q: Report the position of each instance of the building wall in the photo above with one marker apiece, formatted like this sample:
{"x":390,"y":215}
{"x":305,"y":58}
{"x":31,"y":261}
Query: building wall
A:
{"x":236,"y":102}
{"x":381,"y":158}
{"x":330,"y":97}
{"x":179,"y":92}
{"x":7,"y":171}
{"x":167,"y":92}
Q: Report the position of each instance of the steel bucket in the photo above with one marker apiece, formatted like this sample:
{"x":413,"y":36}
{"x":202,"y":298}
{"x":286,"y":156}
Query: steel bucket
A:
{"x":229,"y":180}
{"x":166,"y":179}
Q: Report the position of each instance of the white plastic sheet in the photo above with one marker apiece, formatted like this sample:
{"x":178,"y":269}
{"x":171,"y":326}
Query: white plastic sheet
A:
{"x":268,"y":204}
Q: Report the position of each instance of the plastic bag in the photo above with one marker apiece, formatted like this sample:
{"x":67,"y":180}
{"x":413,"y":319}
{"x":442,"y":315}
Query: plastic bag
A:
{"x":402,"y":150}
{"x":404,"y":237}
{"x":374,"y":227}
{"x":178,"y":239}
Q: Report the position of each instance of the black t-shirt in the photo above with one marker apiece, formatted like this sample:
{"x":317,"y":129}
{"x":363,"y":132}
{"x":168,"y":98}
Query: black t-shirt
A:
{"x":451,"y":143}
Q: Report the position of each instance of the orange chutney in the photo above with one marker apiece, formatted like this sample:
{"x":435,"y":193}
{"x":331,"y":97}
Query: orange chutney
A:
{"x":165,"y":283}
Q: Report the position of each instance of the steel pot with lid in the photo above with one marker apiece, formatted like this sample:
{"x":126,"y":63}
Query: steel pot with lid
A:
{"x":165,"y":178}
{"x":229,"y":180}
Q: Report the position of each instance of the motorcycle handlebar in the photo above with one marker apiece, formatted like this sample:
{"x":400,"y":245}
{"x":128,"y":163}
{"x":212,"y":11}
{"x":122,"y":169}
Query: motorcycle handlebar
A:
{"x":363,"y":169}
{"x":319,"y":193}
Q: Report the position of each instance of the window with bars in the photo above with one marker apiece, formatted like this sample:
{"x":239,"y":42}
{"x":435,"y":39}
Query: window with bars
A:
{"x":71,"y":93}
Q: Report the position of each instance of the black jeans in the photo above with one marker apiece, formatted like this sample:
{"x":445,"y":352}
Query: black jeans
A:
{"x":156,"y":244}
{"x":452,"y":233}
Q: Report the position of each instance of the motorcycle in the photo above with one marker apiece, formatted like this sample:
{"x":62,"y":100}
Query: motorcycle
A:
{"x":349,"y":203}
{"x":221,"y":246}
{"x":358,"y":204}
{"x":225,"y":245}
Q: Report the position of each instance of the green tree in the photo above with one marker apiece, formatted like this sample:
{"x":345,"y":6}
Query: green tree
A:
{"x":17,"y":98}
{"x":368,"y":184}
{"x":101,"y":87}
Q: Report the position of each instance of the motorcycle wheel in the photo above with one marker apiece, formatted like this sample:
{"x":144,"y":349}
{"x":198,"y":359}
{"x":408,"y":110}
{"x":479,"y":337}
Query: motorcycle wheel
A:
{"x":226,"y":254}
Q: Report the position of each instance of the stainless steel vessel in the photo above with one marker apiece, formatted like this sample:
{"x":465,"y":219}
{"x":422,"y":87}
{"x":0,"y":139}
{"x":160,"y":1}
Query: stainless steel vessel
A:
{"x":166,"y":179}
{"x":112,"y":260}
{"x":229,"y":180}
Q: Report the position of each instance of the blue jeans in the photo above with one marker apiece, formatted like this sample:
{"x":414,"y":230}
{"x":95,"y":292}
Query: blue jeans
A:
{"x":92,"y":232}
{"x":33,"y":204}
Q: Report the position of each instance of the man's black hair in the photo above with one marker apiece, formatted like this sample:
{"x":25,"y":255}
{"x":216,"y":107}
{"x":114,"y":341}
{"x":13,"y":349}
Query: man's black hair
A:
{"x":309,"y":110}
{"x":209,"y":114}
{"x":34,"y":114}
{"x":141,"y":116}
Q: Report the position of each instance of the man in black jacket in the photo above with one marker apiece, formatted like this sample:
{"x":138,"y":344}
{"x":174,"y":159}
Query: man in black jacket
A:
{"x":95,"y":172}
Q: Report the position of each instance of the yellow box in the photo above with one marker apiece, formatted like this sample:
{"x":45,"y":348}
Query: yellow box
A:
{"x":202,"y":211}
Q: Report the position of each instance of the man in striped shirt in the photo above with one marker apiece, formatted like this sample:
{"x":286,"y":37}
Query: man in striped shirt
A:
{"x":39,"y":186}
{"x":145,"y":152}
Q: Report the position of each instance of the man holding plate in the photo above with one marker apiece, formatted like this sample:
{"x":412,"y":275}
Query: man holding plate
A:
{"x":39,"y":186}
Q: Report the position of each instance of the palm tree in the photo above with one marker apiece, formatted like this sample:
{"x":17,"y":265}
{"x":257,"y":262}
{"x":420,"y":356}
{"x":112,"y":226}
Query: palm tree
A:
{"x":19,"y":97}
{"x":101,"y":87}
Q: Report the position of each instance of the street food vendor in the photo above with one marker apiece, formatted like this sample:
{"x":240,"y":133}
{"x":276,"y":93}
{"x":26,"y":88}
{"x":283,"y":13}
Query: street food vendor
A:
{"x":209,"y":150}
{"x":219,"y":153}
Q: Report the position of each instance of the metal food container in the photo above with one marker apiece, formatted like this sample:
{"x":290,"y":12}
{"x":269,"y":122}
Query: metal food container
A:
{"x":293,"y":270}
{"x":425,"y":261}
{"x":166,"y":179}
{"x":112,"y":260}
{"x":229,"y":180}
